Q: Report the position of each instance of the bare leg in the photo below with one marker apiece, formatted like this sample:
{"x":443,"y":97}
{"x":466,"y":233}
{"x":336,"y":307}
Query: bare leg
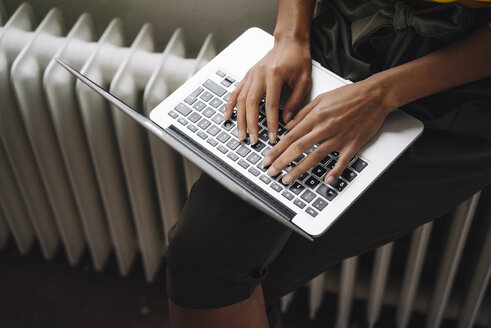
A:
{"x":249,"y":313}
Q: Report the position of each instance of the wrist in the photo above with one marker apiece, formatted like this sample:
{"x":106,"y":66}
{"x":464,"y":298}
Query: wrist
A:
{"x":385,"y":84}
{"x":302,"y":39}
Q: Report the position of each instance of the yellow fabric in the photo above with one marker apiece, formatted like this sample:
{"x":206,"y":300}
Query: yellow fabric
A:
{"x":468,"y":3}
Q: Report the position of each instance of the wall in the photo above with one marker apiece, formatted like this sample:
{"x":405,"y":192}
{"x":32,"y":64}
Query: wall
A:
{"x":226,"y":19}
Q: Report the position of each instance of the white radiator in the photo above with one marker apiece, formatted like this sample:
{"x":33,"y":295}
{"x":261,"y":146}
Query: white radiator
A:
{"x":74,"y":172}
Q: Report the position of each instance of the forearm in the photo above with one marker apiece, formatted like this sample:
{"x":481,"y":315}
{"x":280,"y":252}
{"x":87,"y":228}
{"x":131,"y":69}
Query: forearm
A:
{"x":294,"y":20}
{"x":466,"y":61}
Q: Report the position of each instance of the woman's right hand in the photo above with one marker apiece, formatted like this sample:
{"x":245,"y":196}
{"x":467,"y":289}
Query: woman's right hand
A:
{"x":288,"y":62}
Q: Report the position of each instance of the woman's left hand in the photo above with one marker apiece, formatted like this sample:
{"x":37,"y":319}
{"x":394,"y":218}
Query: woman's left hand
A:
{"x":341,"y":120}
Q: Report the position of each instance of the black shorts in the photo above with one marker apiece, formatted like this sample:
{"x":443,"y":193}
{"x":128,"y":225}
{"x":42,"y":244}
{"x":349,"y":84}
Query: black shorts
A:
{"x":221,"y":247}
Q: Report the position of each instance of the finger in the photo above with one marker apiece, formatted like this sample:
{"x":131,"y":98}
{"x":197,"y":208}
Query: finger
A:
{"x":298,"y":94}
{"x":308,"y":162}
{"x":292,"y":152}
{"x":301,"y":114}
{"x":344,"y":158}
{"x":287,"y":140}
{"x":241,"y":111}
{"x":273,"y":92}
{"x":232,"y":102}
{"x":254,"y":97}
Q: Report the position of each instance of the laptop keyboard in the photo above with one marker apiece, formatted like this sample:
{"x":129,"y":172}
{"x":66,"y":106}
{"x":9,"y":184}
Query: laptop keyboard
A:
{"x":201,"y":113}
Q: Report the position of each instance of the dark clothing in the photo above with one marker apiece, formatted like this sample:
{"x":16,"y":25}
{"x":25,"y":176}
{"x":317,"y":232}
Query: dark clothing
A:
{"x":222,"y":248}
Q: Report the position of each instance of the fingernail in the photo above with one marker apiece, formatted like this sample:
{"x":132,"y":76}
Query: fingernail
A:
{"x":329,"y":179}
{"x":272,"y":171}
{"x":242,"y":135}
{"x":288,"y":116}
{"x":253,"y":139}
{"x":289,"y":125}
{"x":272,"y":137}
{"x":287,"y":179}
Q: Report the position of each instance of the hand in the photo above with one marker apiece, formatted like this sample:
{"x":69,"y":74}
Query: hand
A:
{"x":341,"y":120}
{"x":288,"y":62}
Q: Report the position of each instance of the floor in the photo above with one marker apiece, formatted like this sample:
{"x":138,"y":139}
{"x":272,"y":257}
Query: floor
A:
{"x":37,"y":293}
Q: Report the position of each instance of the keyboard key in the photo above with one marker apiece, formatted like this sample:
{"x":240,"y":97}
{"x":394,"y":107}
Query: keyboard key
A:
{"x":220,"y":73}
{"x":288,"y":195}
{"x":173,"y":114}
{"x":359,"y":165}
{"x":199,"y":106}
{"x":215,"y":102}
{"x":335,"y":154}
{"x":296,"y":188}
{"x":262,"y":167}
{"x":202,"y":135}
{"x":213,"y":130}
{"x":192,"y":97}
{"x":299,"y":203}
{"x":319,"y":204}
{"x":221,"y":109}
{"x":348,"y":175}
{"x":263,"y":135}
{"x":230,"y":79}
{"x":222,"y":149}
{"x":223,"y":137}
{"x":319,"y":171}
{"x":303,"y":176}
{"x":183,"y":109}
{"x":253,"y":171}
{"x":289,"y":167}
{"x":182,"y":121}
{"x":331,"y":164}
{"x":226,"y":83}
{"x":253,"y":158}
{"x":243,"y":163}
{"x":265,"y":151}
{"x":276,"y":187}
{"x":235,"y":132}
{"x":218,"y":119}
{"x":227,"y":97}
{"x":311,"y":149}
{"x":194,"y":117}
{"x":311,"y":211}
{"x":233,"y":144}
{"x":325,"y":160}
{"x":209,"y":112}
{"x":311,"y":182}
{"x":233,"y":156}
{"x":214,"y":87}
{"x":326,"y":192}
{"x":243,"y":151}
{"x":299,"y":158}
{"x":212,"y":142}
{"x":339,"y":184}
{"x":204,"y":124}
{"x":206,"y":96}
{"x":227,"y":125}
{"x":308,"y":196}
{"x":258,"y":146}
{"x":281,"y":131}
{"x":264,"y":179}
{"x":192,"y":128}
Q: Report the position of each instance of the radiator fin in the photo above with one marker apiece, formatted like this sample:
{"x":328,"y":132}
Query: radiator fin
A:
{"x":26,"y":75}
{"x":133,"y":148}
{"x":60,"y":93}
{"x":14,"y":137}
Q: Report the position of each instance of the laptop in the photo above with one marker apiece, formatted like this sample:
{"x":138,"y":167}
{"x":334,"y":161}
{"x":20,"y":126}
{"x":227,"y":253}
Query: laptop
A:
{"x":190,"y":121}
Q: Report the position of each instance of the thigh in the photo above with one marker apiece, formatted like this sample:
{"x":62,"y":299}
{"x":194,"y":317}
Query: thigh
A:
{"x":436,"y":174}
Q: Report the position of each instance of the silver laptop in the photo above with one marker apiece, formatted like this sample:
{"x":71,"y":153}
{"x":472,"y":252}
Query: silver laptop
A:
{"x":190,"y":121}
